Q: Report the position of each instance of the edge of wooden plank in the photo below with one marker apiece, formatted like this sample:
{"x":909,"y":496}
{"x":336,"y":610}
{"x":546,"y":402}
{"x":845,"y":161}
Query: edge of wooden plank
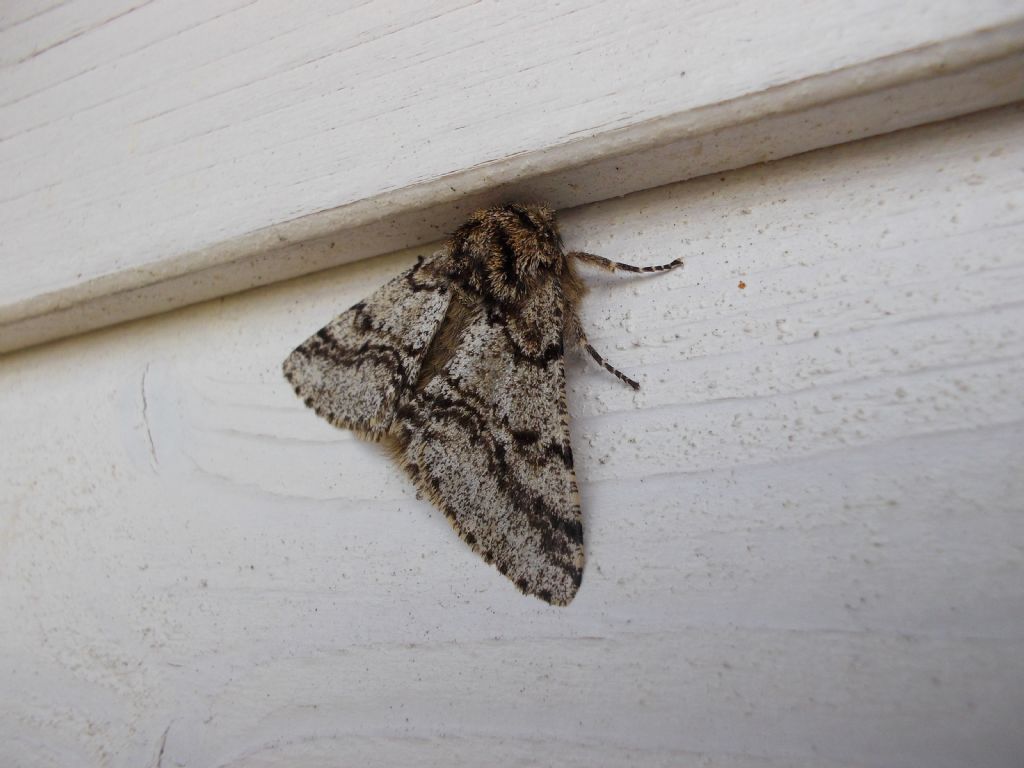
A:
{"x":935,"y":82}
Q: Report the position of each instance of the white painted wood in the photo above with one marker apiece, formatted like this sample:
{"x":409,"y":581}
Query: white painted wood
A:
{"x":157,"y":154}
{"x":805,"y":533}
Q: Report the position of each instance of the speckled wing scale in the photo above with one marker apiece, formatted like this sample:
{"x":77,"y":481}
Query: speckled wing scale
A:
{"x":457,"y":365}
{"x":488,"y":440}
{"x":357,"y":369}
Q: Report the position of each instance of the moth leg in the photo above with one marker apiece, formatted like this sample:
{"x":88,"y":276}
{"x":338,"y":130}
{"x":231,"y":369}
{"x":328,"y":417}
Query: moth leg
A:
{"x":610,"y":368}
{"x":574,"y":330}
{"x":573,"y":327}
{"x":615,"y":266}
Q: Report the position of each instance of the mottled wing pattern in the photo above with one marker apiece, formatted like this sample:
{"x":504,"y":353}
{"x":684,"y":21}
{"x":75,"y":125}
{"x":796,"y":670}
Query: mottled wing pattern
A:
{"x":487,"y":439}
{"x":358,"y":369}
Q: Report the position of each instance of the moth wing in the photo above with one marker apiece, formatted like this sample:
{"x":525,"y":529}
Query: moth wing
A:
{"x":487,"y":439}
{"x":358,"y":369}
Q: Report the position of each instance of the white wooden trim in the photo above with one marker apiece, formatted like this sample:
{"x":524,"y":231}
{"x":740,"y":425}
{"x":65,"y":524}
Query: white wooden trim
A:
{"x":941,"y":78}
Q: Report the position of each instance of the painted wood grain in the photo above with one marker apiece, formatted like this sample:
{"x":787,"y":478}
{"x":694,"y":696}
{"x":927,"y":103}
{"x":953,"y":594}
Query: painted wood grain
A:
{"x":805,"y":533}
{"x":160,"y":154}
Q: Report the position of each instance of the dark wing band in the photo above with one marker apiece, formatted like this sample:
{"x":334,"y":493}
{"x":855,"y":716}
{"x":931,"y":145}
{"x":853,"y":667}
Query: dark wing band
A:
{"x":358,"y":369}
{"x":487,"y":439}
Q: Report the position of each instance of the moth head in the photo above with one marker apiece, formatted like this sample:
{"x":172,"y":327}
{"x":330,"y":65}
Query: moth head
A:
{"x":502,"y":249}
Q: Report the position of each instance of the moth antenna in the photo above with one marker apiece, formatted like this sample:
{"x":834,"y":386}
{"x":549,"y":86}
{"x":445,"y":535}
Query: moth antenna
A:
{"x":615,"y":266}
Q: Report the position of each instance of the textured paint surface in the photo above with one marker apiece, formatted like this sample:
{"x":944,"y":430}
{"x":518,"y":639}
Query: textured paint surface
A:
{"x":805,"y":533}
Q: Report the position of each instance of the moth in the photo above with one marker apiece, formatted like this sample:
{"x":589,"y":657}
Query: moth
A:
{"x":457,"y":366}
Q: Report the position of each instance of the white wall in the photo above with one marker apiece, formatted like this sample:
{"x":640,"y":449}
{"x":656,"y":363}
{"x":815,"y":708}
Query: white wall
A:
{"x":805,"y":535}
